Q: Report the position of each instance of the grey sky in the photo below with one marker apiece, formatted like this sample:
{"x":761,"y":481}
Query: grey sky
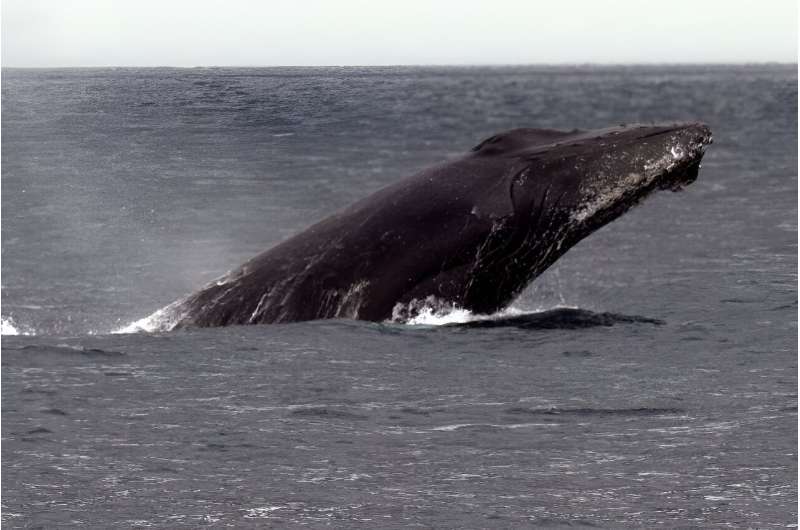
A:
{"x":352,"y":32}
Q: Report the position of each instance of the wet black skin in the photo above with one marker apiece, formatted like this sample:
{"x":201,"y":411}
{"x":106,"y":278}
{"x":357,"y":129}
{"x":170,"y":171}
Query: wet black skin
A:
{"x":472,"y":232}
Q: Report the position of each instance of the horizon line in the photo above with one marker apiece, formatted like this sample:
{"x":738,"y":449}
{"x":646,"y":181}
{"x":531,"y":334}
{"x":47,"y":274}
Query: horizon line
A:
{"x":433,"y":65}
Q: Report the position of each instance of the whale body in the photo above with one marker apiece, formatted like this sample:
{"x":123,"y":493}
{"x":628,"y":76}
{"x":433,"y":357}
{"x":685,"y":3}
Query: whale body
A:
{"x":470,"y":233}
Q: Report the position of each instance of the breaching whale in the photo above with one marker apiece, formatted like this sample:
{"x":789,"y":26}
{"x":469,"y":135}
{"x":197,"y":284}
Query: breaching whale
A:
{"x":470,"y":233}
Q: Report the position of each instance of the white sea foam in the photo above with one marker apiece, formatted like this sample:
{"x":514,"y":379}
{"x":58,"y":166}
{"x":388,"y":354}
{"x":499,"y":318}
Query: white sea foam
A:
{"x":142,"y":325}
{"x":430,"y":316}
{"x":9,"y":327}
{"x":162,"y":320}
{"x":438,"y":315}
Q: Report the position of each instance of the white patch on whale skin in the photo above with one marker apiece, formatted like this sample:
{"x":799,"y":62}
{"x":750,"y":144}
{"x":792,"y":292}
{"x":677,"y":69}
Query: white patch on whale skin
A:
{"x":633,"y":180}
{"x":258,"y":308}
{"x":610,"y":196}
{"x":351,"y":300}
{"x":343,"y":303}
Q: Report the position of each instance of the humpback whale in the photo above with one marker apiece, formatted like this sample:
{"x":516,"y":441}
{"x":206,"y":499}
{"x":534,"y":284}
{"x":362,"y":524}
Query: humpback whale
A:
{"x":471,"y":233}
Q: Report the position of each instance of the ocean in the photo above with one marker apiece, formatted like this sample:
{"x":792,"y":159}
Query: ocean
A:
{"x":651,"y":384}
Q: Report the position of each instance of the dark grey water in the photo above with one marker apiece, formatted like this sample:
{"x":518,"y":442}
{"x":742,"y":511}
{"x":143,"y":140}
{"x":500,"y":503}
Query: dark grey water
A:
{"x":668,"y":398}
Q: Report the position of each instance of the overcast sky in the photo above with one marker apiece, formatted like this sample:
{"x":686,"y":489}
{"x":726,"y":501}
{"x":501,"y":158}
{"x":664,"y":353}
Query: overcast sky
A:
{"x":352,"y":32}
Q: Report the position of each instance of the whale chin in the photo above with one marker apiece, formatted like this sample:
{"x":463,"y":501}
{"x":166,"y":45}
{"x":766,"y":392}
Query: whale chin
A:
{"x":679,"y":179}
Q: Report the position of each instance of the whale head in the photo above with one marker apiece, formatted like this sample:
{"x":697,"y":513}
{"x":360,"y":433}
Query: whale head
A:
{"x":607,"y":174}
{"x":565,"y":185}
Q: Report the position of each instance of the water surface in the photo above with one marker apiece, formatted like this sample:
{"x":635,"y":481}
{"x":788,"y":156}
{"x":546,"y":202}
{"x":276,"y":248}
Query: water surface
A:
{"x":664,"y":396}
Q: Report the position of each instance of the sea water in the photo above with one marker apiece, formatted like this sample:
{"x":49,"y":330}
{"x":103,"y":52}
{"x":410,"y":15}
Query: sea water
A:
{"x":648,"y":379}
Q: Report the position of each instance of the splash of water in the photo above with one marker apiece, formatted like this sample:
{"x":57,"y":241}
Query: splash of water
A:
{"x":9,"y":327}
{"x":162,"y":320}
{"x":431,"y":312}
